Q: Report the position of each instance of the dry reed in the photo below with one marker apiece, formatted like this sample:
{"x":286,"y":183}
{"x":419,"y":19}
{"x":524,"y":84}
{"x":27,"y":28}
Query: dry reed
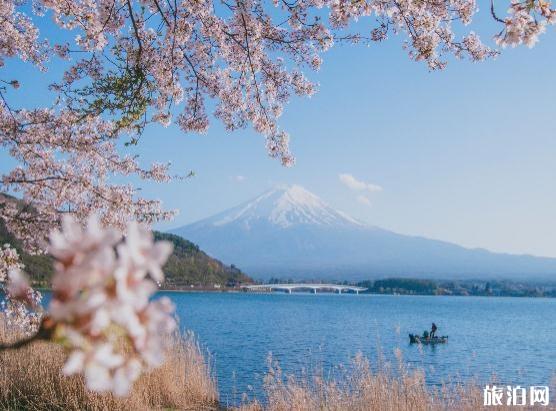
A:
{"x":30,"y":379}
{"x":359,"y":388}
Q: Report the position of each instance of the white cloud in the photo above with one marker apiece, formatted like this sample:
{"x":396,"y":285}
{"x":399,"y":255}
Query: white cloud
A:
{"x":354,"y":184}
{"x":364,"y":200}
{"x":238,"y":179}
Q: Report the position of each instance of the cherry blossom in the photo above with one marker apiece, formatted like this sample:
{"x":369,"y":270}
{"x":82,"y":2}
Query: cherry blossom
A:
{"x":525,"y":22}
{"x":21,"y":304}
{"x":97,"y":290}
{"x":65,"y":165}
{"x":101,"y":308}
{"x":9,"y":260}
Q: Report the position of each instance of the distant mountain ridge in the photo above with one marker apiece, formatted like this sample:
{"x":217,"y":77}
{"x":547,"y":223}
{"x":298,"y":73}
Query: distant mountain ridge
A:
{"x":187,"y":266}
{"x":289,"y":232}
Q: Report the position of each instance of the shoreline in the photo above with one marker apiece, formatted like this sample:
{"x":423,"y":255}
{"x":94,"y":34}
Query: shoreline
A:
{"x":239,"y":291}
{"x":327,"y":293}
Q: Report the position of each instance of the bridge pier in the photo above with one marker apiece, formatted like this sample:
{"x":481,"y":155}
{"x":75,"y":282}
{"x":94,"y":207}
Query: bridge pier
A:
{"x":339,"y":291}
{"x":314,"y":291}
{"x":289,"y":290}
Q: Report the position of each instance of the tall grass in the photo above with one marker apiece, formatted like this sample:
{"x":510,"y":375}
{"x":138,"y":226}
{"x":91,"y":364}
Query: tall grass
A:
{"x":30,"y":379}
{"x":359,"y":388}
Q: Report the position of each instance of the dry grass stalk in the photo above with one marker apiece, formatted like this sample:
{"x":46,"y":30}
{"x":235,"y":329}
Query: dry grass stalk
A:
{"x":360,"y":389}
{"x":30,"y":379}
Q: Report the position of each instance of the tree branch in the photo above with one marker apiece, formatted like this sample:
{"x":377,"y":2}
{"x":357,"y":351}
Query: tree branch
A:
{"x":493,"y":13}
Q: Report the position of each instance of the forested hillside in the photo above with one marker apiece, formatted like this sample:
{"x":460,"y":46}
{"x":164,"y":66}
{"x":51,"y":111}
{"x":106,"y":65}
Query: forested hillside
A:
{"x":188,"y":265}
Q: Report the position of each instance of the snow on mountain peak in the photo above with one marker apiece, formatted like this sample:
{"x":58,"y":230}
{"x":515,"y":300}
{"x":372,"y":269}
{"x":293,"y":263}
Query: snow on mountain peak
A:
{"x":286,"y":206}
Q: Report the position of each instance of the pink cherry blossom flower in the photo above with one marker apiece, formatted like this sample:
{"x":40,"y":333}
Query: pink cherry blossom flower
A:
{"x":102,"y":284}
{"x":21,"y":305}
{"x":18,"y":285}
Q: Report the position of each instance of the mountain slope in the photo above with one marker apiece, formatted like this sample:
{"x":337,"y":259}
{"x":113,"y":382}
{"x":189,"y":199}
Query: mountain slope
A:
{"x":289,"y":232}
{"x":187,"y":265}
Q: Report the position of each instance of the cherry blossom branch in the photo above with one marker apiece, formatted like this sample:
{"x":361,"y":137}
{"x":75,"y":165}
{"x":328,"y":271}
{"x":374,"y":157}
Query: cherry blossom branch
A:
{"x":493,"y":13}
{"x":135,"y":28}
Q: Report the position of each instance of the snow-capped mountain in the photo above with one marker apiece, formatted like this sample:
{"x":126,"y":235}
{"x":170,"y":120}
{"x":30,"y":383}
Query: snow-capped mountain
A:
{"x":284,"y":206}
{"x":290,"y":232}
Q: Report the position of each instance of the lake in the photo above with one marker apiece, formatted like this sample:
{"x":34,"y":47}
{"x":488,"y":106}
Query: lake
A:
{"x":513,"y":338}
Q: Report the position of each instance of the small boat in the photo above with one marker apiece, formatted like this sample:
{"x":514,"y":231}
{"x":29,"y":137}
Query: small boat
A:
{"x":419,"y":339}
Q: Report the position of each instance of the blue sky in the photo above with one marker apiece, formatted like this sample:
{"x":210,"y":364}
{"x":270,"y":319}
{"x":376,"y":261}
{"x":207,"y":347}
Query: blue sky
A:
{"x":466,"y":155}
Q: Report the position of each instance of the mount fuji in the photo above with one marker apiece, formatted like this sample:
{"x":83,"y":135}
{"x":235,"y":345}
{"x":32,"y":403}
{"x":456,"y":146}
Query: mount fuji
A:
{"x":289,"y":232}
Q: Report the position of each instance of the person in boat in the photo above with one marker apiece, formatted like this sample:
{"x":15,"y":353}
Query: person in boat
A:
{"x":433,"y":331}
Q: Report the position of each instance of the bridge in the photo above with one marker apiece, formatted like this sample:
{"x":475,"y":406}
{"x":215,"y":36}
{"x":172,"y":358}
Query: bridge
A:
{"x":288,"y":288}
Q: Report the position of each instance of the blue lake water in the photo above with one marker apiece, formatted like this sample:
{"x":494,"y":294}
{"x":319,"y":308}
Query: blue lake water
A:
{"x":513,"y":338}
